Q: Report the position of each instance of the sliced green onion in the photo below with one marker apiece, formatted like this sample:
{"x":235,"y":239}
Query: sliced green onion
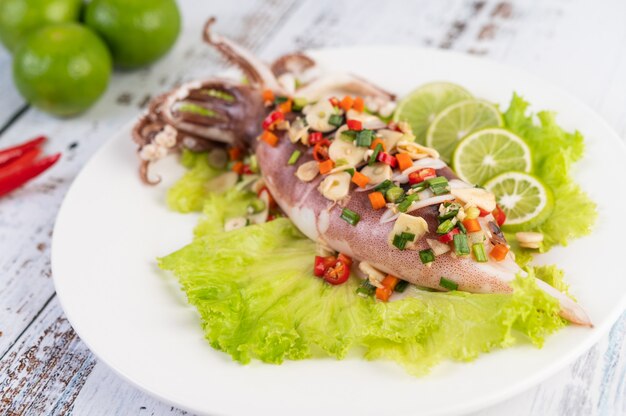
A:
{"x":437,"y":181}
{"x":294,"y":157}
{"x":461,"y":227}
{"x":427,"y":256}
{"x":377,"y":150}
{"x":280,"y":100}
{"x":479,"y":252}
{"x":399,"y":242}
{"x":350,"y":171}
{"x":461,"y":246}
{"x":383,"y":186}
{"x":350,"y":216}
{"x":348,"y":135}
{"x":401,"y":286}
{"x":406,"y":203}
{"x":448,"y":215}
{"x":419,"y":187}
{"x":335,"y":120}
{"x":299,"y":103}
{"x":366,"y":289}
{"x":364,"y":138}
{"x":408,"y":236}
{"x":446,"y":226}
{"x":448,"y":284}
{"x":394,"y":193}
{"x":255,"y":206}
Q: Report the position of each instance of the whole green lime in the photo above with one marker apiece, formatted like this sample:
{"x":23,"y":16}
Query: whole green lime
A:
{"x":19,"y":17}
{"x":138,"y":32}
{"x":62,"y":69}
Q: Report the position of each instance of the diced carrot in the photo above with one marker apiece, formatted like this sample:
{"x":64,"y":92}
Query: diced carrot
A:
{"x":268,"y":96}
{"x":346,"y":103}
{"x":359,"y":104}
{"x":389,"y":284}
{"x":376,"y":142}
{"x":499,"y":252}
{"x":360,"y":180}
{"x":286,"y":106}
{"x":234,"y":153}
{"x":269,"y":138}
{"x":326,"y":166}
{"x":404,"y":161}
{"x":471,"y":225}
{"x":238,"y":168}
{"x":377,"y":200}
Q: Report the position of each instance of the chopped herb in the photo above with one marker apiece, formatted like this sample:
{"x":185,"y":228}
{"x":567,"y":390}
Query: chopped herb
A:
{"x":427,"y":256}
{"x":366,"y":289}
{"x":448,"y":213}
{"x":479,"y":252}
{"x":294,"y":157}
{"x":299,"y":103}
{"x":448,"y":284}
{"x":462,"y":227}
{"x":364,"y":138}
{"x":335,"y":120}
{"x":399,"y":242}
{"x":406,"y":203}
{"x":350,"y":216}
{"x":394,"y":194}
{"x":438,"y":185}
{"x":348,"y":135}
{"x":419,"y":187}
{"x":383,"y":186}
{"x":446,"y":226}
{"x":377,"y":150}
{"x":460,"y":245}
{"x":350,"y":171}
{"x":280,"y":100}
{"x":401,"y":286}
{"x":408,"y":236}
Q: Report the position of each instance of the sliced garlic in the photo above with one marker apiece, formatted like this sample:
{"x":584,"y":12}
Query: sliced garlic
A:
{"x":223,"y":182}
{"x":437,"y":247}
{"x":479,"y":197}
{"x":390,"y":138}
{"x":342,"y":150}
{"x":529,"y":239}
{"x":235,"y":223}
{"x":317,"y":116}
{"x":335,"y":186}
{"x":408,"y":224}
{"x":374,"y":276}
{"x":378,"y":173}
{"x":368,"y":121}
{"x":298,"y":131}
{"x":415,"y":150}
{"x":308,"y":171}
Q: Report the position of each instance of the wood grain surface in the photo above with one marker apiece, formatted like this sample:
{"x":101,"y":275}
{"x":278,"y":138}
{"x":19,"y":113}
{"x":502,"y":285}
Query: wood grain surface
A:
{"x":44,"y":367}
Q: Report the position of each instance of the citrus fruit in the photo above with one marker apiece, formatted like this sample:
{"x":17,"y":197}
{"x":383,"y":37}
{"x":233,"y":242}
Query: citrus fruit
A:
{"x":489,"y":152}
{"x":62,"y":69}
{"x":457,"y":121}
{"x":138,"y":32}
{"x":20,"y":17}
{"x":421,"y":106}
{"x":525,"y":200}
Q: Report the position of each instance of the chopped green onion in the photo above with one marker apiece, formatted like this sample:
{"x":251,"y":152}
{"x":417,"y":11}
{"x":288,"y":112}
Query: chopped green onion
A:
{"x":419,"y":187}
{"x":364,"y":138}
{"x":438,"y":181}
{"x":350,"y":171}
{"x":401,"y":286}
{"x":399,"y":242}
{"x":407,"y":236}
{"x":427,"y":256}
{"x":448,"y":284}
{"x":255,"y":206}
{"x":254,"y":164}
{"x":461,"y":227}
{"x":350,"y":216}
{"x":366,"y":289}
{"x":446,"y":226}
{"x":479,"y":252}
{"x":440,"y":190}
{"x":460,"y":244}
{"x":406,"y":203}
{"x":447,"y":215}
{"x":394,"y":193}
{"x":348,"y":135}
{"x":280,"y":100}
{"x":377,"y":150}
{"x":294,"y":157}
{"x":299,"y":103}
{"x":383,"y":186}
{"x":335,"y":120}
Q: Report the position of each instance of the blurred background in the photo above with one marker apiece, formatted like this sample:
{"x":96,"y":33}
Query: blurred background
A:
{"x":578,"y":45}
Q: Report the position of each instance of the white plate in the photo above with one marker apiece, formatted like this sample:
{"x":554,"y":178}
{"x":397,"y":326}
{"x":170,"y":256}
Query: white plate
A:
{"x":135,"y":319}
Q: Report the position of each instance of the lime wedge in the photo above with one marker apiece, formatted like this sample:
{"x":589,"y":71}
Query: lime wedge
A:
{"x":457,"y":121}
{"x":525,"y":200}
{"x":489,"y":152}
{"x":421,"y":106}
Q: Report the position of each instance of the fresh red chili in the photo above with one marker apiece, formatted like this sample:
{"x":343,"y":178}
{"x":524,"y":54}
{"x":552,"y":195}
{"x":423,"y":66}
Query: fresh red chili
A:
{"x":339,"y":272}
{"x":315,"y":137}
{"x":334,"y":101}
{"x":447,"y":238}
{"x":272,"y":118}
{"x":355,"y":125}
{"x":421,"y":175}
{"x":323,"y":263}
{"x":499,"y":215}
{"x":320,"y":150}
{"x":390,"y":160}
{"x":12,"y":153}
{"x":13,"y":176}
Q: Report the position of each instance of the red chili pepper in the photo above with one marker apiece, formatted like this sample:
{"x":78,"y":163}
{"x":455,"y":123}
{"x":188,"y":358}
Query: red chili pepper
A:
{"x":384,"y":157}
{"x":355,"y":125}
{"x":320,"y":150}
{"x":16,"y":174}
{"x":446,"y":238}
{"x":246,"y":170}
{"x":10,"y":154}
{"x":483,"y":213}
{"x":315,"y":137}
{"x":499,"y":215}
{"x":334,"y":101}
{"x":323,"y":263}
{"x":272,"y":118}
{"x":339,"y":272}
{"x":421,"y":175}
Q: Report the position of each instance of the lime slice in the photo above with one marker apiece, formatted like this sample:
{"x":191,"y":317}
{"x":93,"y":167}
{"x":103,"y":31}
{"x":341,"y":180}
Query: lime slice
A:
{"x":421,"y":106}
{"x":489,"y":152}
{"x":525,"y":200}
{"x":457,"y":121}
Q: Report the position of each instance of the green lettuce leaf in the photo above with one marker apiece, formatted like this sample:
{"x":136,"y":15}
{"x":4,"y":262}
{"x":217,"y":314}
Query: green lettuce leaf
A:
{"x":190,"y":192}
{"x":554,"y":151}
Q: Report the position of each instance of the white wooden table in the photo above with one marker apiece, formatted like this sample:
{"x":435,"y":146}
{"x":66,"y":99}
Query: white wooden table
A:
{"x":579,"y":45}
